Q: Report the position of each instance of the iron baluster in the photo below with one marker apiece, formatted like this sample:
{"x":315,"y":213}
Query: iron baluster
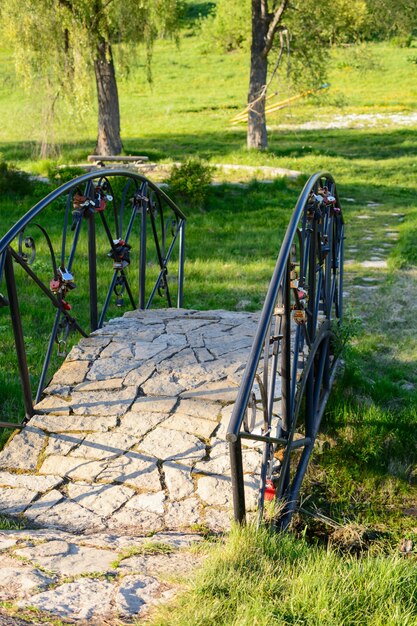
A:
{"x":18,"y":333}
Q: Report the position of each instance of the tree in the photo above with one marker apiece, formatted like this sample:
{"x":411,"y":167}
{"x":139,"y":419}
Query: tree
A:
{"x":59,"y":43}
{"x":305,"y":28}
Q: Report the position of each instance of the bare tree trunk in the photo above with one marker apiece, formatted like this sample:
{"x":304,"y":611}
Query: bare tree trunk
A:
{"x":108,"y":139}
{"x":257,"y":137}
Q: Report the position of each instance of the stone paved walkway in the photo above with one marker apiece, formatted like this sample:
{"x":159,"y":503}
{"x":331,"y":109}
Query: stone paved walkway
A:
{"x":128,"y":441}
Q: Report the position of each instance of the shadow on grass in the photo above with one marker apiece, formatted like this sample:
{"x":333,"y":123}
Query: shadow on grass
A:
{"x":345,"y":143}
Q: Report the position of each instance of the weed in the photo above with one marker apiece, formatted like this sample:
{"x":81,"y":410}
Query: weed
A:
{"x":148,"y":548}
{"x":189,"y":182}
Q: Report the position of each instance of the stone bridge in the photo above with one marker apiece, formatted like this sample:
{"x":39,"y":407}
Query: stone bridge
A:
{"x":129,"y":436}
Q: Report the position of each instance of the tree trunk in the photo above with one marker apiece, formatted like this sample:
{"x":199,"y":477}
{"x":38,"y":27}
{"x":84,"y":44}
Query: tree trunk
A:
{"x":108,"y":139}
{"x":257,"y":137}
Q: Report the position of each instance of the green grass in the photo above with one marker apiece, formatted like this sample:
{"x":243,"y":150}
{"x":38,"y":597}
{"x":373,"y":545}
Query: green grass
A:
{"x":259,"y":578}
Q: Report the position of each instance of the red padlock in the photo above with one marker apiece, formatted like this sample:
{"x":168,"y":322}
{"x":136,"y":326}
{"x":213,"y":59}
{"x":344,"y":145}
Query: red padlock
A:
{"x":54,"y":285}
{"x":269,"y":490}
{"x":102,"y":205}
{"x":66,"y":305}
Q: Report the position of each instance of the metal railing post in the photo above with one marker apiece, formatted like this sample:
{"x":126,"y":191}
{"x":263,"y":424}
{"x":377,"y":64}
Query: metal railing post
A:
{"x":238,"y":486}
{"x":92,"y":271}
{"x":181,"y":265}
{"x":142,"y":258}
{"x":18,"y":334}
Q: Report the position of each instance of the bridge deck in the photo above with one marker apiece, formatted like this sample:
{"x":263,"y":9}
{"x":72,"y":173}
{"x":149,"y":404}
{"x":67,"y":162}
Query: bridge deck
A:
{"x":130,"y":434}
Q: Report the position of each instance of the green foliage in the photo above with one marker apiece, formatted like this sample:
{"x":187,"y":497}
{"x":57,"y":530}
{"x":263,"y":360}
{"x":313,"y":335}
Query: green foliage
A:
{"x":14,"y":182}
{"x":60,"y":174}
{"x":229,"y":27}
{"x":390,"y":19}
{"x":189,"y":183}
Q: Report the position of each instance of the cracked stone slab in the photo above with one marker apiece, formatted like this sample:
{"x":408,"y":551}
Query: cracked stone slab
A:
{"x":61,"y":444}
{"x":15,"y":500}
{"x":215,"y":491}
{"x":104,"y":445}
{"x":69,"y":559}
{"x":20,"y":581}
{"x":71,"y":373}
{"x":178,"y":362}
{"x":143,"y":350}
{"x":154,"y":404}
{"x":74,"y":467}
{"x":100,"y":385}
{"x":103,"y":369}
{"x":103,"y":500}
{"x":70,"y":516}
{"x":153,"y":502}
{"x":29,"y":481}
{"x":22,"y":452}
{"x":89,"y":347}
{"x":139,"y":424}
{"x":83,"y":599}
{"x":171,"y":444}
{"x":160,"y":565}
{"x":139,"y":375}
{"x":117,"y":350}
{"x":159,"y":385}
{"x":103,"y":402}
{"x":219,"y":461}
{"x":193,"y":425}
{"x":136,"y":521}
{"x":183,"y":514}
{"x":43,"y":504}
{"x":178,"y":480}
{"x":135,"y":469}
{"x":136,"y":593}
{"x":199,"y":408}
{"x":217,"y":520}
{"x":74,"y":423}
{"x":217,"y":391}
{"x":53,"y":404}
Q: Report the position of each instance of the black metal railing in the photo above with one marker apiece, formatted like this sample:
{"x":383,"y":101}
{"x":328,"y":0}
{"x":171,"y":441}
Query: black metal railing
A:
{"x":293,"y":359}
{"x":87,"y":230}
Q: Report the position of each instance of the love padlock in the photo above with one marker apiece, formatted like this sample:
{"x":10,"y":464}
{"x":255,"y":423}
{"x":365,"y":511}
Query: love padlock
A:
{"x":269,"y":493}
{"x":301,"y":293}
{"x":299,"y":316}
{"x":66,"y":305}
{"x":55,"y":285}
{"x":62,"y":348}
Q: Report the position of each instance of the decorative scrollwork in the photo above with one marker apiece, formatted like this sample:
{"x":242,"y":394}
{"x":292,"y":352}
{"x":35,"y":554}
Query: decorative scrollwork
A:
{"x":29,"y":244}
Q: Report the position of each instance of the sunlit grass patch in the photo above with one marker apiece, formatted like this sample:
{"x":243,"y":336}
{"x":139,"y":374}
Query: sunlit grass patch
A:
{"x":258,"y":578}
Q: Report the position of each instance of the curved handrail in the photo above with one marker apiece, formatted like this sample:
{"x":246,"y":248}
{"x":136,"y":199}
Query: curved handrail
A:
{"x":62,"y":189}
{"x":268,"y":307}
{"x":281,"y":288}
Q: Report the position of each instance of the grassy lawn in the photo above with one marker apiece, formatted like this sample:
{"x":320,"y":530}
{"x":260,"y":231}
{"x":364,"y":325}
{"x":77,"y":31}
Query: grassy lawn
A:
{"x":363,"y":476}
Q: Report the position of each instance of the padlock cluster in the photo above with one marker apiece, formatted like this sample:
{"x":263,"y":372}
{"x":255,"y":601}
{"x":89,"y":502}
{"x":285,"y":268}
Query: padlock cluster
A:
{"x":83,"y":206}
{"x":61,"y":284}
{"x":120,"y":253}
{"x":324,"y":197}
